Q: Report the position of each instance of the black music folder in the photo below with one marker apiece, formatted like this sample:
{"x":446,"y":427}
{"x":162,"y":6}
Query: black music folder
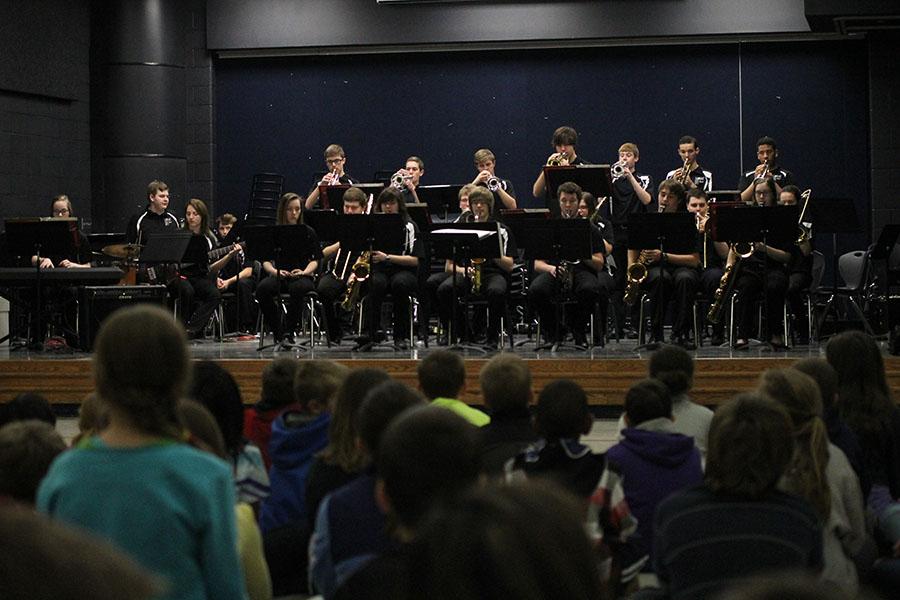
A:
{"x":595,"y":179}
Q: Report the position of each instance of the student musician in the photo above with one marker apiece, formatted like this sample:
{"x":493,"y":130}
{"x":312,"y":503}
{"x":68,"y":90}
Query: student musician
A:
{"x":493,"y":273}
{"x":767,"y":265}
{"x":61,"y":207}
{"x":675,"y":276}
{"x":397,"y":273}
{"x":800,"y":267}
{"x":236,"y":275}
{"x":504,"y":193}
{"x":406,"y":180}
{"x":712,"y":255}
{"x":689,"y":174}
{"x":589,"y":208}
{"x":333,"y":284}
{"x":768,"y":168}
{"x":155,"y":218}
{"x":197,"y":281}
{"x":629,"y":195}
{"x":565,"y":143}
{"x":288,"y":274}
{"x":335,"y":159}
{"x":578,"y":280}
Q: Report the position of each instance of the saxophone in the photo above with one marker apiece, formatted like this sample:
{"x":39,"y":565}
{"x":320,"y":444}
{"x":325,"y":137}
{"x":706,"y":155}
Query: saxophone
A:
{"x":359,"y":273}
{"x":476,"y":274}
{"x":636,"y":274}
{"x":726,"y":283}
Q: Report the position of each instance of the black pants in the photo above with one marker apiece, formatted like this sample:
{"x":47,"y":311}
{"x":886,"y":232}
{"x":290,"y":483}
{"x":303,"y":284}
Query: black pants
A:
{"x":244,"y":318}
{"x":545,"y":293}
{"x":709,"y":283}
{"x":267,"y":295}
{"x":401,"y":283}
{"x":672,"y":288}
{"x":331,"y":291}
{"x":493,"y":288}
{"x":798,"y":287}
{"x":203,"y":291}
{"x":428,"y":299}
{"x":749,"y":290}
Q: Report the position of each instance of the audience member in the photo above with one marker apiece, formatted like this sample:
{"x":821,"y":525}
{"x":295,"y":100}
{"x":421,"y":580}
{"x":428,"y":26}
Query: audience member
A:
{"x":674,"y":366}
{"x":215,"y":388}
{"x":820,"y":473}
{"x":168,"y":505}
{"x":651,"y":460}
{"x":737,"y":524}
{"x":839,"y":433}
{"x":350,"y":527}
{"x":426,"y":457}
{"x":795,"y":585}
{"x":26,"y":450}
{"x":865,"y":404}
{"x":203,"y":433}
{"x":506,"y":391}
{"x":298,"y":435}
{"x":73,"y":565}
{"x":92,"y":418}
{"x":26,"y":406}
{"x":514,"y":541}
{"x":561,"y":418}
{"x":442,"y":378}
{"x":276,"y":396}
{"x":343,"y":459}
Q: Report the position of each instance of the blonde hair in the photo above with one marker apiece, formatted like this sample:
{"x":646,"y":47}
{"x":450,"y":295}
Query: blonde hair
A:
{"x":630,"y":147}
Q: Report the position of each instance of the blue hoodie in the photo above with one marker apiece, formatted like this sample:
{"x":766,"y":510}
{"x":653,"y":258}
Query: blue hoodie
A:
{"x":292,"y":450}
{"x":653,"y":463}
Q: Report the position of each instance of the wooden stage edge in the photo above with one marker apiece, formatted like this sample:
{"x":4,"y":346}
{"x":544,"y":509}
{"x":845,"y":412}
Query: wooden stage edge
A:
{"x":604,"y":380}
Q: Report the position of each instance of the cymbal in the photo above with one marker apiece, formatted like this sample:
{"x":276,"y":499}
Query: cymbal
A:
{"x":122,"y":250}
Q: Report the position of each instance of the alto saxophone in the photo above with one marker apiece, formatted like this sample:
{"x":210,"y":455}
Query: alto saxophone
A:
{"x":476,"y":274}
{"x":359,"y":272}
{"x":636,"y":274}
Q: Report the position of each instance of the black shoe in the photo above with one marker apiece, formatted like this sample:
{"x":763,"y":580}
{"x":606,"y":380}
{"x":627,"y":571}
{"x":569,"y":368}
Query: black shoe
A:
{"x":401,"y":345}
{"x":363,"y":344}
{"x":580,"y":341}
{"x":717,"y":339}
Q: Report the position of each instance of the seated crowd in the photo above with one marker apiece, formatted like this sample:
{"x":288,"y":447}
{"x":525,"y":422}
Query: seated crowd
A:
{"x":347,"y":483}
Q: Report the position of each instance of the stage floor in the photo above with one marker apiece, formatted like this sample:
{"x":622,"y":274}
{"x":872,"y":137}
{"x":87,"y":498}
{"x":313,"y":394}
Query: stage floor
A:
{"x":605,"y":373}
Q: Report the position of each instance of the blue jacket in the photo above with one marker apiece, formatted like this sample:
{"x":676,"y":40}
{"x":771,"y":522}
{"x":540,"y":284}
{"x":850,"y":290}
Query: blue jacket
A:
{"x":653,"y":464}
{"x":292,"y":450}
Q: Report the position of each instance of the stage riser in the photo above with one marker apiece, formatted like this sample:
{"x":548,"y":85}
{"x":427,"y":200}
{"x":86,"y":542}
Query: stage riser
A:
{"x":606,"y":381}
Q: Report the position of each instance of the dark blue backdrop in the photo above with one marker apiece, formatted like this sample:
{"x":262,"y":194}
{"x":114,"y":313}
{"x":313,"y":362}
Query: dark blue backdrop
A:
{"x":279,"y":114}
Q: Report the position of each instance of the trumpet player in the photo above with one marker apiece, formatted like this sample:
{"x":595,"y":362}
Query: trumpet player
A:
{"x":494,"y":273}
{"x":394,"y":273}
{"x":565,"y":142}
{"x":585,"y":286}
{"x":504,"y":193}
{"x":333,"y":284}
{"x":406,"y":180}
{"x":712,"y":257}
{"x":763,"y":275}
{"x":800,"y":267}
{"x":629,"y":195}
{"x":768,"y":168}
{"x":335,"y":159}
{"x":675,"y":277}
{"x":689,"y":174}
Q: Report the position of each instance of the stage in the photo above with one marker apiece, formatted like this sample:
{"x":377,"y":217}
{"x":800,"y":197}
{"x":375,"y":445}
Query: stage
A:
{"x":605,"y":373}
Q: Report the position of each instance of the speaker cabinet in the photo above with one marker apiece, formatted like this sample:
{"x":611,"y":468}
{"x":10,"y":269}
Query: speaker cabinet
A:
{"x":98,"y":302}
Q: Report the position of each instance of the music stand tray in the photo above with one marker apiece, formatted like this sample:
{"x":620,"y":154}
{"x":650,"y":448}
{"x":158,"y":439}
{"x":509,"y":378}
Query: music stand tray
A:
{"x":884,"y":246}
{"x":674,"y":233}
{"x":778,"y":224}
{"x":324,"y":222}
{"x":595,"y":179}
{"x":441,"y":199}
{"x":46,"y":236}
{"x":166,"y":247}
{"x":834,"y":215}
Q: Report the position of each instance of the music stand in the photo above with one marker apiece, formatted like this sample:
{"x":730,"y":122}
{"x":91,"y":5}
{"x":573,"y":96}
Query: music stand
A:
{"x":40,"y":237}
{"x":272,"y":242}
{"x":556,"y":241}
{"x":674,"y":233}
{"x":324,"y":222}
{"x":441,"y":199}
{"x":775,"y":225}
{"x":881,"y":251}
{"x":461,"y":243}
{"x":719,"y":196}
{"x":419,"y":213}
{"x":595,"y":179}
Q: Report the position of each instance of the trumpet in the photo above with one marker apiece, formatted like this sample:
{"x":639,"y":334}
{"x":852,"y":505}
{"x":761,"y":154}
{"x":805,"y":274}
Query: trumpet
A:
{"x":617,"y":170}
{"x":765,"y":172}
{"x":559,"y":159}
{"x":803,"y":233}
{"x":494,"y":183}
{"x":636,"y":274}
{"x":398,"y":180}
{"x":684,"y":177}
{"x":335,"y":178}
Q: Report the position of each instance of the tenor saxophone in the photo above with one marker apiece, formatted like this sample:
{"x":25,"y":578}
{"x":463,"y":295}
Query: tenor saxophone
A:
{"x":636,"y":274}
{"x":360,"y":272}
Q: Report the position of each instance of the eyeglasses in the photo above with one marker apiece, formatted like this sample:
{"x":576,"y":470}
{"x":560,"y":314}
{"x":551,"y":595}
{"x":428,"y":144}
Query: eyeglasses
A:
{"x":334,"y":161}
{"x":60,"y":212}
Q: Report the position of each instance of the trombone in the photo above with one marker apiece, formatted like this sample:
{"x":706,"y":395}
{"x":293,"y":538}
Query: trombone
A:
{"x":803,"y":233}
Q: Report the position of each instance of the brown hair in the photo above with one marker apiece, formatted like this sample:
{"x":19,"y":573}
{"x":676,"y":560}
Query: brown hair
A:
{"x":62,"y":198}
{"x":26,"y":450}
{"x":481,"y":194}
{"x":200,"y":206}
{"x":630,"y":147}
{"x":334,"y":150}
{"x":355,"y":195}
{"x":343,"y":448}
{"x":155,"y":187}
{"x":565,"y":136}
{"x":318,"y":380}
{"x":283,"y":202}
{"x":483,"y":155}
{"x":569,"y":187}
{"x":505,"y":383}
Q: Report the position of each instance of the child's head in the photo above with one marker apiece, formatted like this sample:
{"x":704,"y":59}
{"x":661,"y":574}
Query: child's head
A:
{"x":201,"y":428}
{"x":278,"y":383}
{"x":216,"y":389}
{"x":343,"y":436}
{"x":141,"y":368}
{"x":562,"y":411}
{"x":26,"y":450}
{"x":316,"y":383}
{"x":646,"y":400}
{"x":26,"y":406}
{"x":382,"y":404}
{"x":442,"y":374}
{"x":506,"y":384}
{"x":674,"y":367}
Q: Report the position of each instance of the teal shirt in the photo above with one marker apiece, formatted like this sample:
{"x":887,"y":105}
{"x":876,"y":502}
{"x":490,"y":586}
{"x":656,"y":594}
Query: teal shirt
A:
{"x":472,"y":415}
{"x":168,"y":506}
